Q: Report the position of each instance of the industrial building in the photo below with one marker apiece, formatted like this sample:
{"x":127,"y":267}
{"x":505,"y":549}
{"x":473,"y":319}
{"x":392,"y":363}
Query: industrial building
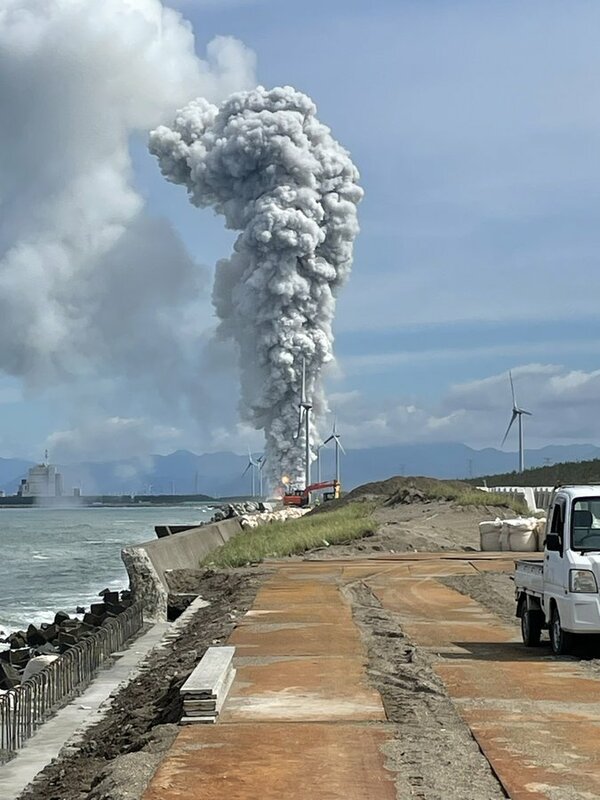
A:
{"x":43,"y":480}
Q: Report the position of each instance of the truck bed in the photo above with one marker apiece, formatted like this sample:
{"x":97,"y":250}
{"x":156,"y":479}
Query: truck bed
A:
{"x":529,"y":574}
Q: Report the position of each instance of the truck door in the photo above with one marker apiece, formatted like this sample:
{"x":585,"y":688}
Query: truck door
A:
{"x":554,"y":565}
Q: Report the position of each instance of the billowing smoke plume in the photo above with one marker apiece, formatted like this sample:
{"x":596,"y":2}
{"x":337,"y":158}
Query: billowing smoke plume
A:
{"x":264,"y":161}
{"x":89,"y":285}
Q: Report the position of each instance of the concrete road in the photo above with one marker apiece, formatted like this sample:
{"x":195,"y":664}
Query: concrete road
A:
{"x":303,"y":721}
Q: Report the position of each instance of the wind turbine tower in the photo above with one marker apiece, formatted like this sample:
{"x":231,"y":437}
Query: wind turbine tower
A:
{"x":335,"y":437}
{"x":252,"y":464}
{"x":260,"y":462}
{"x":517,"y":414}
{"x":304,"y":410}
{"x":319,"y":448}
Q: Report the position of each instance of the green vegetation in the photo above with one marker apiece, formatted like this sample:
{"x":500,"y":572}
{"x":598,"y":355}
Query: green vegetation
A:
{"x":462,"y":495}
{"x":349,"y":518}
{"x":562,"y":473}
{"x":295,"y":536}
{"x":393,"y":491}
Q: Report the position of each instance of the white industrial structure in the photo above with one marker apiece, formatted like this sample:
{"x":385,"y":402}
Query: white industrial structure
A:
{"x":43,"y":480}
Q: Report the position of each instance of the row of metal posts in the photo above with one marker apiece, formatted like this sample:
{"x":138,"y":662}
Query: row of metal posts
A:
{"x":25,"y":708}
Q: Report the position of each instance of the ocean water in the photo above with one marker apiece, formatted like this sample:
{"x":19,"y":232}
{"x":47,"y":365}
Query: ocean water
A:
{"x":57,"y":559}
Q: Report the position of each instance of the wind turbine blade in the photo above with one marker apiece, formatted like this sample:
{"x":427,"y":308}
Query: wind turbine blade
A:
{"x":326,"y":442}
{"x":528,"y":413}
{"x":341,"y":446}
{"x":512,"y":419}
{"x":512,"y":389}
{"x":246,"y":470}
{"x":303,"y":394}
{"x":263,"y":461}
{"x":334,"y":426}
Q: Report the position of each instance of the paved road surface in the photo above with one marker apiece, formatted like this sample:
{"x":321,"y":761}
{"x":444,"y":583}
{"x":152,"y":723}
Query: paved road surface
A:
{"x":302,"y":720}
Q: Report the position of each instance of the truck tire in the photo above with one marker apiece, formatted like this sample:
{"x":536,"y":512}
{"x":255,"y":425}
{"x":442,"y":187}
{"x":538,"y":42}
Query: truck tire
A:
{"x":561,"y":641}
{"x":531,"y":627}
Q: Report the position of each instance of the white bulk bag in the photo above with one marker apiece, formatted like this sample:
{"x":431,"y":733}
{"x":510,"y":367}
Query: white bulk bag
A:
{"x":489,"y":535}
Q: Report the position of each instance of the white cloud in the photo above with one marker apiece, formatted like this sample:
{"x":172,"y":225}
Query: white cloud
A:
{"x":90,"y":285}
{"x":112,"y":438}
{"x":563,"y":403}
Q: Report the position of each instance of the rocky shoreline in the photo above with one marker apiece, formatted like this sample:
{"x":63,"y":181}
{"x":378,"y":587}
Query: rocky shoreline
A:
{"x":31,"y":650}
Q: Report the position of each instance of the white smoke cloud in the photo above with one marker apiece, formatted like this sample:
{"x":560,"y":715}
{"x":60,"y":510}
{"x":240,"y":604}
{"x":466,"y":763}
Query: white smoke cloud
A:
{"x":112,"y":438}
{"x":264,"y":161}
{"x":89,"y":285}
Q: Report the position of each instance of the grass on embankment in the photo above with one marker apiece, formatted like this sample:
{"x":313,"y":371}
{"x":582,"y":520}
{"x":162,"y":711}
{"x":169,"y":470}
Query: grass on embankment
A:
{"x":465,"y":496}
{"x":295,"y":536}
{"x":390,"y":492}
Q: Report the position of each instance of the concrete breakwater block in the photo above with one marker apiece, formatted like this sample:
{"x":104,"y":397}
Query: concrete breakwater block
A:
{"x":207,"y":687}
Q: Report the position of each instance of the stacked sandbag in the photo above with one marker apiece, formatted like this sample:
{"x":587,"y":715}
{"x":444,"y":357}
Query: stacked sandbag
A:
{"x":250,"y":521}
{"x":519,"y":535}
{"x":489,"y":534}
{"x":541,"y":533}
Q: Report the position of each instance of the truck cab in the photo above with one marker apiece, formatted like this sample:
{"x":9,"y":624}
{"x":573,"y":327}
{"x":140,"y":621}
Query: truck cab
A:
{"x":561,"y":593}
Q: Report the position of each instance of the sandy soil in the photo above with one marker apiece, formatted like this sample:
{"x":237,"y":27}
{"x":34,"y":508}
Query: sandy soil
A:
{"x":434,"y":754}
{"x":427,"y":526}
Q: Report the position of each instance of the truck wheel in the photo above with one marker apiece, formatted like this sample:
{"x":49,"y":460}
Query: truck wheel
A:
{"x":561,"y":640}
{"x":531,"y":627}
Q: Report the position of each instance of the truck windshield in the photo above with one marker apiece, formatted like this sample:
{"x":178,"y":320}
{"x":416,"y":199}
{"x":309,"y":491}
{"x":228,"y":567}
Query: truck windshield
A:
{"x":585,"y":524}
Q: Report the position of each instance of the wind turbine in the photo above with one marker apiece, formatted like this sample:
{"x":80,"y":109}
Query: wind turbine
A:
{"x":304,"y":409}
{"x":517,"y":413}
{"x":335,"y":437}
{"x":252,"y":464}
{"x":260,"y":462}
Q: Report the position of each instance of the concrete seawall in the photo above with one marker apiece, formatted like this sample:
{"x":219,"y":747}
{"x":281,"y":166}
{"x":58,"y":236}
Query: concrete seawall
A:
{"x":147,"y":563}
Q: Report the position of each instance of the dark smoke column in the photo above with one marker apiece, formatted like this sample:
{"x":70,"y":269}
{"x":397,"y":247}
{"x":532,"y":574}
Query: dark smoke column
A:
{"x":266,"y":163}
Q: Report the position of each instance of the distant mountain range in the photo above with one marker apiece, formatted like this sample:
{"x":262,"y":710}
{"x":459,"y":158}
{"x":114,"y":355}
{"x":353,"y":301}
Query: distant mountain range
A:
{"x":220,"y":474}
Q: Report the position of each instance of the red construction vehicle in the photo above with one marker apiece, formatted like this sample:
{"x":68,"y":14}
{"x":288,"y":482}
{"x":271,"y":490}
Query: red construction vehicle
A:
{"x":301,"y":497}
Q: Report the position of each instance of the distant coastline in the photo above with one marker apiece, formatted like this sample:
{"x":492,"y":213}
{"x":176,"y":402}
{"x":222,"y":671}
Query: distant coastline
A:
{"x":115,"y":501}
{"x":97,"y":501}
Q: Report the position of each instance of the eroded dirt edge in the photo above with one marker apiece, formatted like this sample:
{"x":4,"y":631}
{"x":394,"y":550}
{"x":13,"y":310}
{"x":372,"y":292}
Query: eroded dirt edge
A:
{"x":434,"y":754}
{"x":117,"y":757}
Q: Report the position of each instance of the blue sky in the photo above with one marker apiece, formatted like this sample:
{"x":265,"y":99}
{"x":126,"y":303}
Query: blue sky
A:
{"x":476,"y":128}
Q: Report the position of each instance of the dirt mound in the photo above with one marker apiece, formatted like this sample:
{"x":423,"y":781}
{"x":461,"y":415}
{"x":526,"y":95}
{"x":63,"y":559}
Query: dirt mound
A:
{"x":431,"y":488}
{"x":406,"y":496}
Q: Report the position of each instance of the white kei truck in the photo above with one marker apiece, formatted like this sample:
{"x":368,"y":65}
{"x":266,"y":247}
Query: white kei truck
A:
{"x":560,"y":593}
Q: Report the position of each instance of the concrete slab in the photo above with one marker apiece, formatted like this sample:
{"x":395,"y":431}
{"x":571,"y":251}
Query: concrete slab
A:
{"x":275,"y":760}
{"x":210,"y":673}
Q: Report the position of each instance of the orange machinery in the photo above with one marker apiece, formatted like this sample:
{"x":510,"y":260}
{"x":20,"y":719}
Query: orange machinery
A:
{"x":301,"y":497}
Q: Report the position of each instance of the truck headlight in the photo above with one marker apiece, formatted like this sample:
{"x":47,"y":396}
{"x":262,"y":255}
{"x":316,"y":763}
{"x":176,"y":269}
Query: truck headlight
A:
{"x":582,"y":580}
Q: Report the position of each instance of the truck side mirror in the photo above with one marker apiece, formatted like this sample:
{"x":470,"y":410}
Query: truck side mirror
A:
{"x":553,"y":543}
